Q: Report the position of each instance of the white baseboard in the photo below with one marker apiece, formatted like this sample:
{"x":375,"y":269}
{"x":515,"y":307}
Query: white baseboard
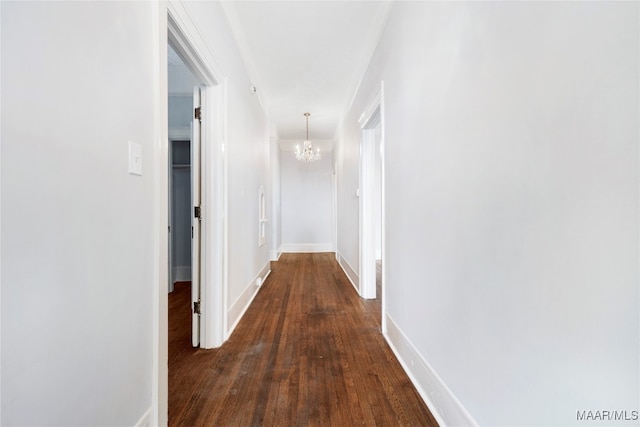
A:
{"x":240,"y":306}
{"x":145,"y":419}
{"x":306,"y":247}
{"x":182,"y":273}
{"x":275,"y":254}
{"x":349,"y":272}
{"x":445,"y":407}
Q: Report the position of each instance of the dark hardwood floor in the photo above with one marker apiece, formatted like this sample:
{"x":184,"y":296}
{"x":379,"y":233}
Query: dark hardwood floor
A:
{"x":308,"y":352}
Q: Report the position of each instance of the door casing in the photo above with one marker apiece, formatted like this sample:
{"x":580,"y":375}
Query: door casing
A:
{"x":371,"y":117}
{"x":175,"y":26}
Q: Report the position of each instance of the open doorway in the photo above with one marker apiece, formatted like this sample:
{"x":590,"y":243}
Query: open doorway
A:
{"x":372,"y":283}
{"x":377,"y":206}
{"x":180,"y":269}
{"x":184,"y":198}
{"x":178,"y":30}
{"x":180,"y":88}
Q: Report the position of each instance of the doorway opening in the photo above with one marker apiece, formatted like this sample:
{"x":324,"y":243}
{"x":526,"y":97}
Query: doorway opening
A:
{"x":372,"y":283}
{"x":177,"y":29}
{"x":206,"y":131}
{"x":184,"y":188}
{"x":180,"y":268}
{"x":377,"y":205}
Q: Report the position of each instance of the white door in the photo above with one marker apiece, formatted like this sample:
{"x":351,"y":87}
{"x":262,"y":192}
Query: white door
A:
{"x":170,"y":225}
{"x":196,"y":218}
{"x":371,"y":141}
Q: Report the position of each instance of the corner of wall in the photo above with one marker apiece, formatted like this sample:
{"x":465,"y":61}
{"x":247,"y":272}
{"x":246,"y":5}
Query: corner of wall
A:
{"x":306,"y":247}
{"x":145,"y":419}
{"x":443,"y":404}
{"x":349,"y":271}
{"x":240,"y":306}
{"x":182,"y":273}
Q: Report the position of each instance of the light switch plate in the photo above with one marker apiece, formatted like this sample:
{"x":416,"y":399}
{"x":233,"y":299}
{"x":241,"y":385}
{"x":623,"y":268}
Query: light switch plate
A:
{"x":135,"y":158}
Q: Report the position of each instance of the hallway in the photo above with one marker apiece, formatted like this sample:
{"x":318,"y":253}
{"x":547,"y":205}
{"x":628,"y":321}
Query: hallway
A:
{"x":509,"y":147}
{"x":308,"y":352}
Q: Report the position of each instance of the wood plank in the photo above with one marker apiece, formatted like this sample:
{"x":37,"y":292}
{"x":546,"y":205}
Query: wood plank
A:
{"x":308,"y":352}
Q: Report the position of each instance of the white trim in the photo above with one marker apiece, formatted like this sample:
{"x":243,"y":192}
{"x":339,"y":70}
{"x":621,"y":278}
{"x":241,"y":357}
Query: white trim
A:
{"x":240,"y":306}
{"x":275,"y":255}
{"x":174,"y":24}
{"x":371,"y":117}
{"x":198,"y":239}
{"x":0,"y":241}
{"x":262,"y":217}
{"x":170,"y":212}
{"x":188,"y":42}
{"x":349,"y":271}
{"x":306,"y":247}
{"x":214,"y":194}
{"x":181,"y":273}
{"x":443,"y":404}
{"x":224,"y":166}
{"x":383,"y":211}
{"x":160,"y":386}
{"x":334,"y":200}
{"x":186,"y":39}
{"x":275,"y":188}
{"x":145,"y":419}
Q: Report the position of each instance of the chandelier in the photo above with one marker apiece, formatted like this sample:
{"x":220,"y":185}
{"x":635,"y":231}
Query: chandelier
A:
{"x":307,"y":154}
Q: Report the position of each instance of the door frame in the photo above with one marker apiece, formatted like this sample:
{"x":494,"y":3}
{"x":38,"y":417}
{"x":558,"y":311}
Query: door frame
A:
{"x":186,"y":40}
{"x":176,"y":134}
{"x":197,"y":239}
{"x":175,"y":25}
{"x":371,"y":117}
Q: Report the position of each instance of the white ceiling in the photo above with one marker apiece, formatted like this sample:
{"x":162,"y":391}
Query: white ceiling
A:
{"x":306,"y":56}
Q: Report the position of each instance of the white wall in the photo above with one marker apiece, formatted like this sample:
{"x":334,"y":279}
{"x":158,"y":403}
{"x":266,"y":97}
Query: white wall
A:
{"x":306,"y":203}
{"x":78,"y":232}
{"x":247,"y":151}
{"x":377,"y":194}
{"x":511,"y":201}
{"x":77,"y":229}
{"x":275,"y":216}
{"x":180,"y":112}
{"x":347,"y":157}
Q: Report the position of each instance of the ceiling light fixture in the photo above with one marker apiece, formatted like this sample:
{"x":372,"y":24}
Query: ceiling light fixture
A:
{"x":307,"y":154}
